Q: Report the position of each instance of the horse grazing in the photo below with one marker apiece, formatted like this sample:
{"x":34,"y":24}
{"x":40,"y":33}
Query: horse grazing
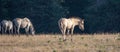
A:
{"x":23,"y":23}
{"x":69,"y":24}
{"x":6,"y":25}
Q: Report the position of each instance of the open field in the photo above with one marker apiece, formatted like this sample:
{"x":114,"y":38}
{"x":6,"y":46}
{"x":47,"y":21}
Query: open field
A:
{"x":53,"y":43}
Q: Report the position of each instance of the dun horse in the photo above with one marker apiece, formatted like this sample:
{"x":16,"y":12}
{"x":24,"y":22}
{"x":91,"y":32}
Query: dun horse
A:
{"x":6,"y":25}
{"x":69,"y":24}
{"x":23,"y":23}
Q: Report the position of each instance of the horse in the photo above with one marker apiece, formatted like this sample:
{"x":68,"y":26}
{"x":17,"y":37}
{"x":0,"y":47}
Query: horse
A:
{"x":6,"y":25}
{"x":68,"y":24}
{"x":23,"y":23}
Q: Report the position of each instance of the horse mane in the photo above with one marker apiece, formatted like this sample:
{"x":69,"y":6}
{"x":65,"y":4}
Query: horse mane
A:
{"x":28,"y":20}
{"x":74,"y":17}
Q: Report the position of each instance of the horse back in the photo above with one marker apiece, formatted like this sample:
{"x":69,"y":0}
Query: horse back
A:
{"x":66,"y":22}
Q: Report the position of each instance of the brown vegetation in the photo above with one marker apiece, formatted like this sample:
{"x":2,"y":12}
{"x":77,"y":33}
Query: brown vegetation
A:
{"x":54,"y":43}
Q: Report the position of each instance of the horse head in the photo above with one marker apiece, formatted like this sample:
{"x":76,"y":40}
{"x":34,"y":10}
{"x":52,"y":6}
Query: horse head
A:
{"x":81,"y":24}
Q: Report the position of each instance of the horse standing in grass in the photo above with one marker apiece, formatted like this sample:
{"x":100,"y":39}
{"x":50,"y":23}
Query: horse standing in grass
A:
{"x":6,"y":25}
{"x":69,"y":24}
{"x":23,"y":23}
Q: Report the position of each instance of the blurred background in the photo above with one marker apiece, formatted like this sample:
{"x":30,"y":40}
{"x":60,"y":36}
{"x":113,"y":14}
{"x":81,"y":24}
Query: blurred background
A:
{"x":100,"y":15}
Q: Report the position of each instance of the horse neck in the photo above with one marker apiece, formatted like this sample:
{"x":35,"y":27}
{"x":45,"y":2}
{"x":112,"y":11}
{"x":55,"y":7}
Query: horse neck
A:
{"x":75,"y":22}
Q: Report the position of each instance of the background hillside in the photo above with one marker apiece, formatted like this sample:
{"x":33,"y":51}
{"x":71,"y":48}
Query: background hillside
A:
{"x":99,"y":15}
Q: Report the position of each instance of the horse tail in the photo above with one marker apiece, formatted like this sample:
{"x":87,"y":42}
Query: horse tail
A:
{"x":60,"y":24}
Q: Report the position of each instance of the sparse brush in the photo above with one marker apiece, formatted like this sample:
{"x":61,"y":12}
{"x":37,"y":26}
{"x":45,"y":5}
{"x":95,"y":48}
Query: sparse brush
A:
{"x":54,"y":37}
{"x":59,"y":43}
{"x":86,"y":45}
{"x":99,"y":50}
{"x":54,"y":51}
{"x":118,"y":38}
{"x":65,"y":50}
{"x":118,"y":47}
{"x":73,"y":46}
{"x":101,"y":46}
{"x":48,"y":41}
{"x":107,"y":40}
{"x":36,"y":50}
{"x":60,"y":40}
{"x":119,"y":35}
{"x":82,"y":38}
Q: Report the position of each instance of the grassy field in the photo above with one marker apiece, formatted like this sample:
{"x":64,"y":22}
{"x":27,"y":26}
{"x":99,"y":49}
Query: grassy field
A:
{"x":54,"y":43}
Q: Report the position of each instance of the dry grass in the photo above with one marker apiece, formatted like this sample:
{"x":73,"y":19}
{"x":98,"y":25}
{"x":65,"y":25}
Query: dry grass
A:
{"x":54,"y":43}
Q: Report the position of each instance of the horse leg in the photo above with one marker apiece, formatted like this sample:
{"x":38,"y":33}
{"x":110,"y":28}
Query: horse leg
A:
{"x":12,"y":31}
{"x":64,"y":31}
{"x":60,"y":27}
{"x":68,"y":31}
{"x":5,"y":29}
{"x":9,"y":31}
{"x":26,"y":30}
{"x":2,"y":29}
{"x":18,"y":28}
{"x":72,"y":29}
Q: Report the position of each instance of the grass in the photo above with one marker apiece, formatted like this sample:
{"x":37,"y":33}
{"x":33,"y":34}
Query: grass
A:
{"x":118,"y":38}
{"x":55,"y":43}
